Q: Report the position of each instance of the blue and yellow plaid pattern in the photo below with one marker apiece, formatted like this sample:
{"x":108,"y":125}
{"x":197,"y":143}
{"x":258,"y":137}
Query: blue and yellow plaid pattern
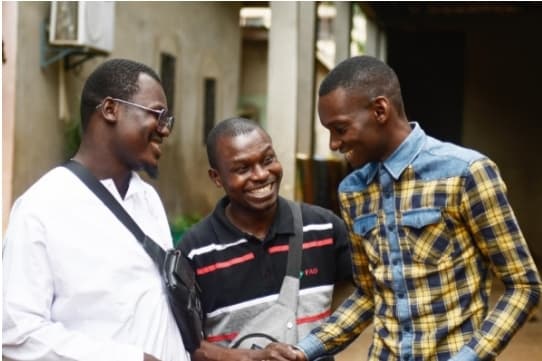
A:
{"x":428,"y":228}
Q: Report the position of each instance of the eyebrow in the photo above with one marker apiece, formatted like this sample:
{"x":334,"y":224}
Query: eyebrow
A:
{"x":265,"y":153}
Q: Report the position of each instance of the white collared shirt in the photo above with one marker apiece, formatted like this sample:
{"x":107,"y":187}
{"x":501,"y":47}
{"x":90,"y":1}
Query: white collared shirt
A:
{"x":77,"y":284}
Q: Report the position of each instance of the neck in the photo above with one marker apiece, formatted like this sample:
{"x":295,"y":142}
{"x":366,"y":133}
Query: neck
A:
{"x":400,"y":131}
{"x":256,"y":223}
{"x":103,"y":166}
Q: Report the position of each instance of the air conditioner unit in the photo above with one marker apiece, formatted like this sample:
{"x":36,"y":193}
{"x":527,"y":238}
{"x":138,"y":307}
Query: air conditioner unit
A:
{"x":85,"y":24}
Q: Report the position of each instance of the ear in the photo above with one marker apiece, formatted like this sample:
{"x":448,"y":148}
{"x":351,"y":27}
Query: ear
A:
{"x":109,"y":110}
{"x":215,"y":178}
{"x":381,"y":109}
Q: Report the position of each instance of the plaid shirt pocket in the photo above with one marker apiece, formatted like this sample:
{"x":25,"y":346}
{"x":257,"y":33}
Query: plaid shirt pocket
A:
{"x":367,"y":227}
{"x":427,"y":235}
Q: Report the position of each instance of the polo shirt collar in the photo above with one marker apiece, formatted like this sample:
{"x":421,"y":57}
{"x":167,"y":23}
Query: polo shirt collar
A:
{"x":282,"y":224}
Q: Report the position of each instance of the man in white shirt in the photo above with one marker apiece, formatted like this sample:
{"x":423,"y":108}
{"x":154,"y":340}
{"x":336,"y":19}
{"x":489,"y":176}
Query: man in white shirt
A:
{"x":77,"y":284}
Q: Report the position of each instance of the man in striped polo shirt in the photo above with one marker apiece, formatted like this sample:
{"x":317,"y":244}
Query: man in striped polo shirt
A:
{"x":239,"y":252}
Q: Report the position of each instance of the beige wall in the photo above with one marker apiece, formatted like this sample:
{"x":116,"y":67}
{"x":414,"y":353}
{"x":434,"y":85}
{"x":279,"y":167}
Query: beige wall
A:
{"x":207,"y":41}
{"x":254,"y":77}
{"x":9,"y":62}
{"x":253,"y":92}
{"x":501,"y":116}
{"x":205,"y":37}
{"x":38,"y":131}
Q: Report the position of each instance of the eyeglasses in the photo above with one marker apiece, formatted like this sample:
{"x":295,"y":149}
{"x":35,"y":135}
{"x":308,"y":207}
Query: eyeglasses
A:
{"x":164,"y":119}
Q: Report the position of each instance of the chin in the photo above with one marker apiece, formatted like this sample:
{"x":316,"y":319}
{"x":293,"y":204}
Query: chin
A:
{"x":151,"y":170}
{"x":356,"y":163}
{"x":270,"y":203}
{"x":265,"y":205}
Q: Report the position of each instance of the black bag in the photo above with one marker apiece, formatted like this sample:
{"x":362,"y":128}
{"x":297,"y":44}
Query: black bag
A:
{"x":183,"y":295}
{"x":178,"y":276}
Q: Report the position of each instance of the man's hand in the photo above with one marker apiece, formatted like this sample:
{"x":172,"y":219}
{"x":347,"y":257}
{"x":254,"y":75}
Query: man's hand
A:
{"x":147,"y":357}
{"x":211,"y":352}
{"x":286,"y":351}
{"x":266,"y":354}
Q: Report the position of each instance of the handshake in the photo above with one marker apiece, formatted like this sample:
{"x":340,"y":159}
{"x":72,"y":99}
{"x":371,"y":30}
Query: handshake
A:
{"x":278,"y":351}
{"x":274,"y":351}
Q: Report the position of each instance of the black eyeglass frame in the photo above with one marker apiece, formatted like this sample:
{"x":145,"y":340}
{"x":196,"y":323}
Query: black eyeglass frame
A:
{"x":162,"y":116}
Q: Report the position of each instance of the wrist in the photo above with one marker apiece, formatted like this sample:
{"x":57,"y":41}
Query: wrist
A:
{"x":301,"y":351}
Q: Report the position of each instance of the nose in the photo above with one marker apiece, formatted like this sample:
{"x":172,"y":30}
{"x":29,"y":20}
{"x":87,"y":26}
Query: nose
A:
{"x":164,"y":131}
{"x":334,"y":143}
{"x":260,"y":172}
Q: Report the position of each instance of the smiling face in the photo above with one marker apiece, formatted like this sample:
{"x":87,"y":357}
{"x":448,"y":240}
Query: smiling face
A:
{"x":353,"y":126}
{"x":138,"y":135}
{"x":248,"y":170}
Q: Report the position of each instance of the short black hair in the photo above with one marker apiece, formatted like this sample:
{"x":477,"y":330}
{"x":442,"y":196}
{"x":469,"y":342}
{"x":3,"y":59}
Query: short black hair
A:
{"x":116,"y":78}
{"x":230,"y":127}
{"x":364,"y":75}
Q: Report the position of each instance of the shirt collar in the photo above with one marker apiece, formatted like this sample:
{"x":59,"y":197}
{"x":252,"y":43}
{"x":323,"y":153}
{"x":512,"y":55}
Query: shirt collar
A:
{"x":136,"y":186}
{"x":282,"y":224}
{"x":223,"y":221}
{"x":399,"y":160}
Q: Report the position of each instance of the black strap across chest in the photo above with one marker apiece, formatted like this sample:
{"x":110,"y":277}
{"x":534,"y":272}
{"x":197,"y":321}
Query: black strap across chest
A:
{"x":153,"y":249}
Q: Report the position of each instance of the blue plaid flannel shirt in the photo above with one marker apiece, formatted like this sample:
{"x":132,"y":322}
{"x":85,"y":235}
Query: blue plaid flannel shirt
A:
{"x":427,"y":227}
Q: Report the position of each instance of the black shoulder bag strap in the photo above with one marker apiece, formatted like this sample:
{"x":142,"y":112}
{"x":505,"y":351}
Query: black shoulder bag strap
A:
{"x":296,"y":242}
{"x":154,"y":250}
{"x":289,"y":289}
{"x":294,"y":256}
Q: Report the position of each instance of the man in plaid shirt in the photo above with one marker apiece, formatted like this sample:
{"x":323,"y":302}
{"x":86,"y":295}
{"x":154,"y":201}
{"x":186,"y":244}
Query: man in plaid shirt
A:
{"x":429,"y":222}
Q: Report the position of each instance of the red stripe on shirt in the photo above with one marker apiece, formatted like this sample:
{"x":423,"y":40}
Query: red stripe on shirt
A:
{"x":225,"y":264}
{"x":222,"y":337}
{"x":318,"y":243}
{"x":307,"y":319}
{"x":277,"y":249}
{"x":306,"y":245}
{"x":313,"y":318}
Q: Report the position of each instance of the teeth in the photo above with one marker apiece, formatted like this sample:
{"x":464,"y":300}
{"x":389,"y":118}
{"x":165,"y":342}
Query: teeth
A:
{"x":262,"y":190}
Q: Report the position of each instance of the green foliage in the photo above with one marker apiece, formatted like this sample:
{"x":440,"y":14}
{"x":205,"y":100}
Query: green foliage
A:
{"x":180,"y":224}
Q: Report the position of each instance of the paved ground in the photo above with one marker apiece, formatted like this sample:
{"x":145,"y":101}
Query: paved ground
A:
{"x":525,"y":346}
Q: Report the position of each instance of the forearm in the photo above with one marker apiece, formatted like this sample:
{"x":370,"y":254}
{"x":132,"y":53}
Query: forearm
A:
{"x":51,"y":341}
{"x":500,"y":325}
{"x":211,"y":352}
{"x":498,"y":237}
{"x":354,"y":314}
{"x":29,"y":294}
{"x":503,"y":321}
{"x":341,"y":328}
{"x":521,"y":295}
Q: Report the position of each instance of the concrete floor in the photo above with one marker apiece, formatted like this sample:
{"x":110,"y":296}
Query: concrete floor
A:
{"x":525,"y":346}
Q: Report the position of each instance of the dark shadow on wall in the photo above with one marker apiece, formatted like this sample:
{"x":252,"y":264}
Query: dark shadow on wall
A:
{"x":431,"y":77}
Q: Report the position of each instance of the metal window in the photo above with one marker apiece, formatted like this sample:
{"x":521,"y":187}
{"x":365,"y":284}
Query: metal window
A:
{"x":209,"y":105}
{"x":167,"y":74}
